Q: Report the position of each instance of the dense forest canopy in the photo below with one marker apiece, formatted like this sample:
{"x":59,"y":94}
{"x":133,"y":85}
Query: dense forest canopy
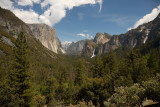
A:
{"x":105,"y":80}
{"x":33,"y":76}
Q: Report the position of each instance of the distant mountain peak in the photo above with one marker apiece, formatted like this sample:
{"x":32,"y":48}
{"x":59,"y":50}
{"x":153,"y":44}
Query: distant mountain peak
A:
{"x":102,"y":38}
{"x":66,"y":44}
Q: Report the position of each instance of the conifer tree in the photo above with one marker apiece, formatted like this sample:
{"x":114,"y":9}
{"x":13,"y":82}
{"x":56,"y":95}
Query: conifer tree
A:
{"x":19,"y":77}
{"x":80,"y":72}
{"x":50,"y":91}
{"x":98,"y":69}
{"x":110,"y":63}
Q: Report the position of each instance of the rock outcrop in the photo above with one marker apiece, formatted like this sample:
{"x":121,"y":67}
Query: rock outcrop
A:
{"x":47,"y":36}
{"x":89,"y":48}
{"x":103,"y":43}
{"x":102,"y":38}
{"x":133,"y":38}
{"x":76,"y":48}
{"x":10,"y":27}
{"x":66,"y":44}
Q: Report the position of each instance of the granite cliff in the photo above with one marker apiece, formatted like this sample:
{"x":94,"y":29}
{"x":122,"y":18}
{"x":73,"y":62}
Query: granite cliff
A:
{"x":103,"y":43}
{"x":47,"y":36}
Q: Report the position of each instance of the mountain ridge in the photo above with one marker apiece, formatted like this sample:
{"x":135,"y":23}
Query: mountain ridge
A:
{"x":131,"y":39}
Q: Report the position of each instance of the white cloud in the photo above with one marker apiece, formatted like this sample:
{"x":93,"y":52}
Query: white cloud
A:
{"x":57,"y":8}
{"x":27,"y":16}
{"x":91,"y":37}
{"x":100,"y":3}
{"x":7,"y":4}
{"x":88,"y":36}
{"x":27,"y":2}
{"x":147,"y":18}
{"x":81,"y":34}
{"x":36,"y":1}
{"x":54,"y":10}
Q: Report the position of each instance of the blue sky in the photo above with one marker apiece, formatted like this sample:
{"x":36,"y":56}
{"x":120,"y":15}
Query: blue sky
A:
{"x":115,"y":17}
{"x":81,"y":19}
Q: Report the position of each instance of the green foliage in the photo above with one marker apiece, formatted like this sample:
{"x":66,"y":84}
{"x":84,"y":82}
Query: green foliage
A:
{"x":19,"y":76}
{"x":80,"y":73}
{"x":110,"y":63}
{"x":50,"y":91}
{"x":70,"y":93}
{"x":128,"y":96}
{"x":64,"y":79}
{"x":39,"y":100}
{"x":124,"y":77}
{"x":94,"y":91}
{"x":152,"y":87}
{"x":98,"y":67}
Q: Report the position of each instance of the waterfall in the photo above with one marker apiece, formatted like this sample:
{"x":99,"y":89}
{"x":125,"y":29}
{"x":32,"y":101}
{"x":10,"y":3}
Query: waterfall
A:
{"x":93,"y":55}
{"x":145,"y":39}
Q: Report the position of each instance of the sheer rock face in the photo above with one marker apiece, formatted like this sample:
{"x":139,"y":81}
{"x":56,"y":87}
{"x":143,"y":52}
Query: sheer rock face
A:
{"x":86,"y":47}
{"x":101,"y":38}
{"x":89,"y":48}
{"x":47,"y":36}
{"x":76,"y":48}
{"x":143,"y":34}
{"x":133,"y":38}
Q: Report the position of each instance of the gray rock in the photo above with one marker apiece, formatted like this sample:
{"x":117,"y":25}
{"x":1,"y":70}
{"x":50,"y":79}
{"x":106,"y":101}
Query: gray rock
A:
{"x":76,"y":48}
{"x":101,"y":38}
{"x":7,"y":41}
{"x":66,"y":44}
{"x":2,"y":53}
{"x":47,"y":36}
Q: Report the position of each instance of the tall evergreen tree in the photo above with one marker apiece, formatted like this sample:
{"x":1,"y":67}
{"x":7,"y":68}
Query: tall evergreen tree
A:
{"x":98,"y":68}
{"x":80,"y":73}
{"x":19,"y":77}
{"x":110,"y":63}
{"x":137,"y":66}
{"x":50,"y":91}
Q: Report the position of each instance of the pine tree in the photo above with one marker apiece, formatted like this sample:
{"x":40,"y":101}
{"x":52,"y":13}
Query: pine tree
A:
{"x":80,"y":72}
{"x":132,"y":64}
{"x":98,"y":68}
{"x":19,"y":77}
{"x":110,"y":63}
{"x":138,"y":67}
{"x":50,"y":91}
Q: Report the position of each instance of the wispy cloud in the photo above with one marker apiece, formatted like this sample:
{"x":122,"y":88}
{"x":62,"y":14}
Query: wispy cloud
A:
{"x":80,"y":16}
{"x":27,"y":2}
{"x":120,"y":20}
{"x":83,"y":35}
{"x":100,"y":4}
{"x":54,"y":10}
{"x":147,"y":18}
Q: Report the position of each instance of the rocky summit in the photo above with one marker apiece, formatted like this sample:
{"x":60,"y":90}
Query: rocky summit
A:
{"x":103,"y":43}
{"x":47,"y":36}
